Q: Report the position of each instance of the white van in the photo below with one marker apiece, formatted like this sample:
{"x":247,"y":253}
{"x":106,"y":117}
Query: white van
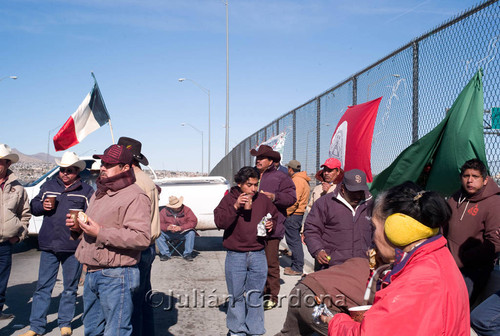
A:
{"x":201,"y":194}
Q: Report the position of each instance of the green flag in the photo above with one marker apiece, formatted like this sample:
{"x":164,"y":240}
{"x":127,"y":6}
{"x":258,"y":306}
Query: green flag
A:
{"x":434,"y":160}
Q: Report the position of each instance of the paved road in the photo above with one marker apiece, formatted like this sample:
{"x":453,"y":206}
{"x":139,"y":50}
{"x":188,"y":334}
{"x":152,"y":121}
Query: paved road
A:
{"x":189,"y":297}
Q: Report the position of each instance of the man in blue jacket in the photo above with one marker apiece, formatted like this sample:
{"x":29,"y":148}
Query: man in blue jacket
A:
{"x":56,"y":245}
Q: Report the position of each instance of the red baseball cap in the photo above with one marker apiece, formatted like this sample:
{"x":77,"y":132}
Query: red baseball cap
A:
{"x":332,"y":163}
{"x":116,"y":154}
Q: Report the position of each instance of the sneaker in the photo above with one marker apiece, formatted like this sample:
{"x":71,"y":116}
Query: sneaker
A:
{"x":66,"y":331}
{"x":30,"y":333}
{"x":164,"y":257}
{"x":188,"y":257}
{"x":269,"y":304}
{"x":4,"y":316}
{"x":290,"y":271}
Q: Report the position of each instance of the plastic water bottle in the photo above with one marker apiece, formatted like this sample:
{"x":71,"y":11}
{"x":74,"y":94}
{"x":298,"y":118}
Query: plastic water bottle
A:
{"x":261,"y":227}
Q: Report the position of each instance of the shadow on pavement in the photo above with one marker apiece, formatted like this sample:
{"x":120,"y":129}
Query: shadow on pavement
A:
{"x":18,"y":300}
{"x":208,"y":244}
{"x":165,"y":313}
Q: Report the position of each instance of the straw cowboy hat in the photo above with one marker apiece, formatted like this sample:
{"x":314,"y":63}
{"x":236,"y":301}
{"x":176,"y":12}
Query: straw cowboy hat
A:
{"x":6,"y":153}
{"x":174,"y":202}
{"x":70,"y":159}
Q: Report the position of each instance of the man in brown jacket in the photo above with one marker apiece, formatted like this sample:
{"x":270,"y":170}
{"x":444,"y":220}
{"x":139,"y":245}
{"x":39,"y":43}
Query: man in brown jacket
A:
{"x":14,"y":217}
{"x":295,"y":213}
{"x":471,"y":232}
{"x":339,"y":287}
{"x":115,"y":231}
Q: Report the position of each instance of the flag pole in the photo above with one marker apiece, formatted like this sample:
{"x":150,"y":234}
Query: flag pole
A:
{"x":109,"y":120}
{"x":111,"y":130}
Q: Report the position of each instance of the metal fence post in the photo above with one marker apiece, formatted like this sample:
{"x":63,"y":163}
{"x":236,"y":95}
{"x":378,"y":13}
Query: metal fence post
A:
{"x":294,"y":134}
{"x":318,"y":131}
{"x":415,"y":92}
{"x":354,"y":90}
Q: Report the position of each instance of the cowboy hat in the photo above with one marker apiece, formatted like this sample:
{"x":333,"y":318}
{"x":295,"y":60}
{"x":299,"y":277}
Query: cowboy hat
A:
{"x":265,"y":150}
{"x":70,"y":159}
{"x":6,"y":154}
{"x":174,"y":202}
{"x":135,"y":147}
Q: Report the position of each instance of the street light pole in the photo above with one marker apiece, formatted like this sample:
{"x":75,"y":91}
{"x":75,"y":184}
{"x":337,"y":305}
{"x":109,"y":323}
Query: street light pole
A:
{"x":201,"y":132}
{"x":207,"y":91}
{"x":227,"y":77}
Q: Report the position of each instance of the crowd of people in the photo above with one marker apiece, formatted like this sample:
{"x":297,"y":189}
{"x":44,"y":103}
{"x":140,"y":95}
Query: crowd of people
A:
{"x":407,"y":262}
{"x":109,"y":233}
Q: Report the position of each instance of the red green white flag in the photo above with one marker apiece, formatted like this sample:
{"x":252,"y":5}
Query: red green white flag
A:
{"x":90,"y":116}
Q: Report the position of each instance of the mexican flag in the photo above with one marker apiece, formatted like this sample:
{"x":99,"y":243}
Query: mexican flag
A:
{"x":434,"y":160}
{"x":90,"y":115}
{"x":351,"y":142}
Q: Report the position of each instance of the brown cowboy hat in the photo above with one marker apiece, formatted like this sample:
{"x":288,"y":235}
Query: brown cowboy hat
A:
{"x":135,"y":147}
{"x":265,"y":150}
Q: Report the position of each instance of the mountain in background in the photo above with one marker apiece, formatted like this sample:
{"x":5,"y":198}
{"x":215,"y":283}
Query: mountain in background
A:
{"x":31,"y":167}
{"x":35,"y":158}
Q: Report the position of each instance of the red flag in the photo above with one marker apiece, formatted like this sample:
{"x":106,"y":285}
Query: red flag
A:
{"x":352,"y":140}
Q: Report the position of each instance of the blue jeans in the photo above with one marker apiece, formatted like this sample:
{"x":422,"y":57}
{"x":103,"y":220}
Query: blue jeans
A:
{"x":142,"y":317}
{"x":169,"y":235}
{"x":47,"y":276}
{"x":5,"y":266}
{"x":485,"y":319}
{"x":107,"y":301}
{"x":246,"y":274}
{"x":293,"y":224}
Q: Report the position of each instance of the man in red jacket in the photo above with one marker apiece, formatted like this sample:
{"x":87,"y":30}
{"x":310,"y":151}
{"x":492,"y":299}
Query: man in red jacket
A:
{"x":177,"y":221}
{"x":471,"y":229}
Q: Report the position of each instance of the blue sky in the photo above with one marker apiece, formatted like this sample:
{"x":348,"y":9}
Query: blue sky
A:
{"x":282,"y":53}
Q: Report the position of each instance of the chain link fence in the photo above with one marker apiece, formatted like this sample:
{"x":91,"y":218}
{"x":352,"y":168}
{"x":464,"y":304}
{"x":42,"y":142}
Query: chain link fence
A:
{"x":418,"y":83}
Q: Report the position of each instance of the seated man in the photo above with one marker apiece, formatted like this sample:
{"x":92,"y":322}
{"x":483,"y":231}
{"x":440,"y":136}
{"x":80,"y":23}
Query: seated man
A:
{"x":339,"y":287}
{"x":177,"y":222}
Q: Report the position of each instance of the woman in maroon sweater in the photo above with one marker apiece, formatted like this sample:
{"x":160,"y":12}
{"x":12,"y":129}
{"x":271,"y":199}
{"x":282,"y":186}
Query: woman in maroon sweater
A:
{"x":239,"y":213}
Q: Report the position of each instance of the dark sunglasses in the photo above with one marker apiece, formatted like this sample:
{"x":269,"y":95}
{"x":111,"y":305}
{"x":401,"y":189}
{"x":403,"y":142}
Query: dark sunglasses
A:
{"x":69,"y":170}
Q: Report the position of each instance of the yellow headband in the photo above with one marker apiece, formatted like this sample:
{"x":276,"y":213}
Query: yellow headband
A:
{"x":402,"y":230}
